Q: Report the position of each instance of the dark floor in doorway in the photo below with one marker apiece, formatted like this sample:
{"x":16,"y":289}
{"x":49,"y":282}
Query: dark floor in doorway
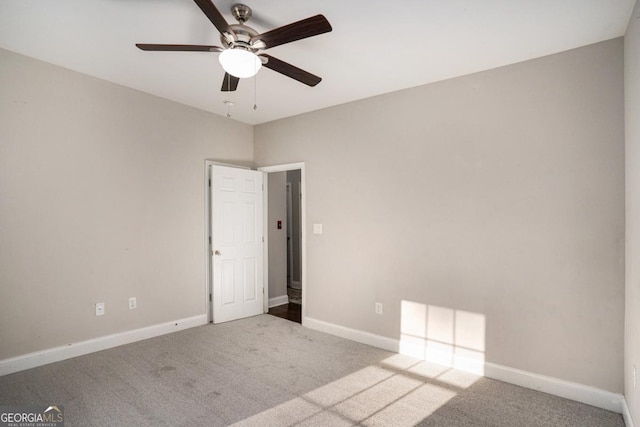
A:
{"x":288,"y":311}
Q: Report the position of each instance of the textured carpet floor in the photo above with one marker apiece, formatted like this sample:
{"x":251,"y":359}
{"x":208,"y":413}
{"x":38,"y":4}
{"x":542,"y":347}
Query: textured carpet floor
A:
{"x":268,"y":371}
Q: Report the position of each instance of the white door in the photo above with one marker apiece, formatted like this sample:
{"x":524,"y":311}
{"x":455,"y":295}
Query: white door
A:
{"x":237,"y":240}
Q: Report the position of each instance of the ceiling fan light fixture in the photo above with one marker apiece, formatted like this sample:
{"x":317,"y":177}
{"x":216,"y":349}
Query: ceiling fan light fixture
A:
{"x":240,"y":63}
{"x":241,"y":45}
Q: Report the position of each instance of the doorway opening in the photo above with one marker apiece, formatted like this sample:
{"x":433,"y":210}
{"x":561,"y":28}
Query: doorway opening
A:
{"x":284,"y":258}
{"x":285,"y":283}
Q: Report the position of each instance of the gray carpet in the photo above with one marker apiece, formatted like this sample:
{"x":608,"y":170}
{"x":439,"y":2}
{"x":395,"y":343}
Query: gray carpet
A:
{"x":269,"y":371}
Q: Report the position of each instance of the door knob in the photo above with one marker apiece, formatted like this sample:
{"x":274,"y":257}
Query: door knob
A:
{"x":217,"y":253}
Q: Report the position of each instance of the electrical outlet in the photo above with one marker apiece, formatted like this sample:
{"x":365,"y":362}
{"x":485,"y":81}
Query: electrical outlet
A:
{"x":378,"y":308}
{"x":132,"y":303}
{"x":99,"y":309}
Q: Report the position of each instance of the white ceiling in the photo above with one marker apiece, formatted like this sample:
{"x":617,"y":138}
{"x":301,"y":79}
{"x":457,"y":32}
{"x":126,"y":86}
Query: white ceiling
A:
{"x":375,"y":46}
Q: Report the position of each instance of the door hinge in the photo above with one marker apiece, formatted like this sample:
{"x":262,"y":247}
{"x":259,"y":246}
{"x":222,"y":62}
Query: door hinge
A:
{"x":209,"y":182}
{"x":209,"y":297}
{"x":209,"y":240}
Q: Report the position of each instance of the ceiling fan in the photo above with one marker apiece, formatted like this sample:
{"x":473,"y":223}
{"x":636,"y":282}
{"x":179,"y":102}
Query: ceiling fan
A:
{"x":239,"y":56}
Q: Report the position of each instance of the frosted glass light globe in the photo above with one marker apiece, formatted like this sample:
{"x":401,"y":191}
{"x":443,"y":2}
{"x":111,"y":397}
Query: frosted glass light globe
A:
{"x":240,"y":63}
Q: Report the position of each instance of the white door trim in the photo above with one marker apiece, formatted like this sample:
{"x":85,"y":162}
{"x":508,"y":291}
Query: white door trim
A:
{"x":303,"y":230}
{"x":208,"y":284}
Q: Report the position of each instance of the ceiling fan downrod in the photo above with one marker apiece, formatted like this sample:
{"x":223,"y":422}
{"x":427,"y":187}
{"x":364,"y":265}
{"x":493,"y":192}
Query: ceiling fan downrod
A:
{"x":241,"y":12}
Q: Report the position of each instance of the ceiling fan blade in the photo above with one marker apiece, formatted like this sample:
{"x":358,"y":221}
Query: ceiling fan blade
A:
{"x":179,"y":47}
{"x":214,"y":15}
{"x":229,"y":83}
{"x":296,"y":31}
{"x":290,"y":71}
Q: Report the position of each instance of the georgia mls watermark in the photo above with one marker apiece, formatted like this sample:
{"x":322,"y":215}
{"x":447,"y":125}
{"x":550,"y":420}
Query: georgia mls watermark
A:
{"x":31,"y":416}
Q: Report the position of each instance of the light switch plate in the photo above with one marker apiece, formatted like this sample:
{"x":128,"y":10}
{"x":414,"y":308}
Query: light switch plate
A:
{"x":317,"y":228}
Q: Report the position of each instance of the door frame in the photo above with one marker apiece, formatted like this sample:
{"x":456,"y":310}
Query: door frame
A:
{"x":208,"y":274}
{"x":303,"y":237}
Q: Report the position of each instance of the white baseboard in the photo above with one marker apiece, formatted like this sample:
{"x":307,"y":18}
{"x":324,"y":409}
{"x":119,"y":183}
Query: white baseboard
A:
{"x":276,"y":301}
{"x":590,"y":395}
{"x":56,"y":354}
{"x":569,"y":390}
{"x":374,"y":340}
{"x":628,"y":421}
{"x":296,"y":285}
{"x":574,"y":391}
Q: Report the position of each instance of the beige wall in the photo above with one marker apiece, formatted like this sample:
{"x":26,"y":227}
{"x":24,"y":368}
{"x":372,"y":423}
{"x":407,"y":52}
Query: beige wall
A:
{"x":632,"y":157}
{"x":277,"y":238}
{"x":101,"y":199}
{"x":499,"y":193}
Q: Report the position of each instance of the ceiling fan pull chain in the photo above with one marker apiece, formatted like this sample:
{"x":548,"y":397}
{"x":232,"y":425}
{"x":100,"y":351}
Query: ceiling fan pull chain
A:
{"x":255,"y":90}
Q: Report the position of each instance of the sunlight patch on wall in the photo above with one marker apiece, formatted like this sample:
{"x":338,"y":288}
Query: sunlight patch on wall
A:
{"x":448,"y":337}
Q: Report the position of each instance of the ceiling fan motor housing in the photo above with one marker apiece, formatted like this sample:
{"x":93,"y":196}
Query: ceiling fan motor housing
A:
{"x":243,"y":33}
{"x":242,"y":37}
